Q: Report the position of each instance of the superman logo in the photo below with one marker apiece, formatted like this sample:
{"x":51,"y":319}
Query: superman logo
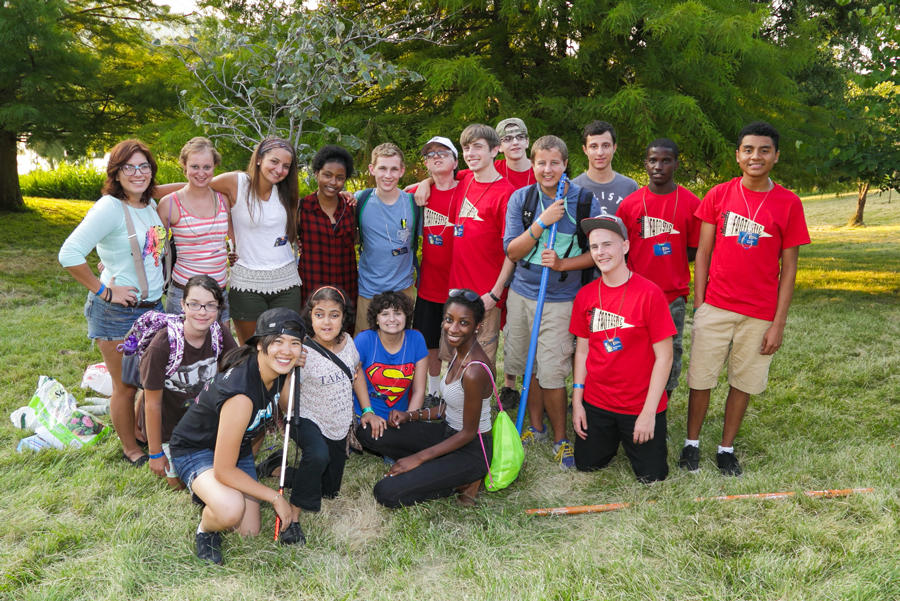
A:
{"x":391,"y":381}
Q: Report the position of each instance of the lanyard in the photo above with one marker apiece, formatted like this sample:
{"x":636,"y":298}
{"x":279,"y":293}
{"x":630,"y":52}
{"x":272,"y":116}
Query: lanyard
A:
{"x":621,"y":303}
{"x":663,"y":212}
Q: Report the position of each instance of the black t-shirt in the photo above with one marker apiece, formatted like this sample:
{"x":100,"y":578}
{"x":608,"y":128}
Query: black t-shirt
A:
{"x":200,"y":425}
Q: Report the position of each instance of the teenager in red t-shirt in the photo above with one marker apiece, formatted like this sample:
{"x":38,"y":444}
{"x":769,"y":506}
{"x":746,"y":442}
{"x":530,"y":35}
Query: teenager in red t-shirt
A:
{"x":437,"y":250}
{"x":664,"y":233}
{"x":743,"y":285}
{"x":623,"y":354}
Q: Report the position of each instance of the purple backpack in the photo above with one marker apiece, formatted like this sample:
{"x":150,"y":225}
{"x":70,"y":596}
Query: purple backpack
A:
{"x":147,"y":325}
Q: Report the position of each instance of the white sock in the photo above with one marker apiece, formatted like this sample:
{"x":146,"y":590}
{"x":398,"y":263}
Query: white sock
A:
{"x":433,"y":384}
{"x":725,"y":450}
{"x":200,"y":529}
{"x":692,"y":443}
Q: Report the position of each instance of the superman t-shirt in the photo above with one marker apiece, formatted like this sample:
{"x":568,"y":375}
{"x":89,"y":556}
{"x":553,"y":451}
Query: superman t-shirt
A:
{"x":389,"y":376}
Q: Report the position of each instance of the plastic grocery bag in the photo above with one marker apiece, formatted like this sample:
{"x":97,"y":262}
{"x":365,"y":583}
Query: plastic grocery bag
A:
{"x":98,"y":379}
{"x":59,"y":421}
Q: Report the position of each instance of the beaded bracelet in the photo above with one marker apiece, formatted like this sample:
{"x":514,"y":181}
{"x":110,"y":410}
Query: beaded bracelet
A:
{"x":157,"y":455}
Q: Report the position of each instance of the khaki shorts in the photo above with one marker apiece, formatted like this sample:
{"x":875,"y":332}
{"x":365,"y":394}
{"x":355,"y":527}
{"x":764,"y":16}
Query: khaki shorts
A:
{"x":555,"y":347}
{"x":719,"y":334}
{"x":488,"y":338}
{"x":362,"y":308}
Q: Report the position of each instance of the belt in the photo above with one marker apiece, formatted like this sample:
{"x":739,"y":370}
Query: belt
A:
{"x":146,"y":304}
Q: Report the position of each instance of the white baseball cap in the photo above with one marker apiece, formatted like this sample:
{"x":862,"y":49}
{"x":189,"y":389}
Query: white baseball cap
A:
{"x":443,"y":142}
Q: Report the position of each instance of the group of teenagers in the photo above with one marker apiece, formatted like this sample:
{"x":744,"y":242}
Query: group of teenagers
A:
{"x":371,"y":321}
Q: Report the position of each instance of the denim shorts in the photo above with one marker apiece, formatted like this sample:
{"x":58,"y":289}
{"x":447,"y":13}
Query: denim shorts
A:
{"x":193,"y":464}
{"x":174,"y":295}
{"x":109,"y":321}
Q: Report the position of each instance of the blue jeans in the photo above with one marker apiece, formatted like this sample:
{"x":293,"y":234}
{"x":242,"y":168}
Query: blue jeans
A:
{"x":109,"y":321}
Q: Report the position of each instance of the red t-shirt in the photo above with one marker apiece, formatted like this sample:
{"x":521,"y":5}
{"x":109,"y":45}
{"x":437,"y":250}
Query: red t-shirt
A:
{"x":618,"y":381}
{"x":517,"y":179}
{"x":437,"y":244}
{"x":752,"y":228}
{"x":480,"y":219}
{"x":661,"y":227}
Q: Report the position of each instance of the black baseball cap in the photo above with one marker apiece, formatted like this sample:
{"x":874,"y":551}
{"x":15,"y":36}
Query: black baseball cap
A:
{"x":605,"y":222}
{"x":279,"y":320}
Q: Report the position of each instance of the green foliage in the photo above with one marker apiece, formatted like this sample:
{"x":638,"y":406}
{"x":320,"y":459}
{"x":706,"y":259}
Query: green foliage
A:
{"x":82,"y":181}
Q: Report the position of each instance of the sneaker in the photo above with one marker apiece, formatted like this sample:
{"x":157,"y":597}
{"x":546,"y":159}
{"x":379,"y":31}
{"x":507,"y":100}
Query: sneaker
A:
{"x":533,"y":435}
{"x":209,"y":547}
{"x":565,"y":454}
{"x":728,"y":464}
{"x":432,"y":400}
{"x":293,"y":535}
{"x":509,"y":398}
{"x":690,"y":458}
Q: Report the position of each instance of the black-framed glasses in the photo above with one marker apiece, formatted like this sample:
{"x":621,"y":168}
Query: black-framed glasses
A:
{"x":514,"y":138}
{"x":131,"y":169}
{"x":194,"y":306}
{"x":437,"y":154}
{"x":469,"y":295}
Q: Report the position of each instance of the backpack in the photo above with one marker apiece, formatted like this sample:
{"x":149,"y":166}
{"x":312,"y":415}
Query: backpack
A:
{"x":364,"y":198}
{"x":147,"y":325}
{"x":582,"y":211}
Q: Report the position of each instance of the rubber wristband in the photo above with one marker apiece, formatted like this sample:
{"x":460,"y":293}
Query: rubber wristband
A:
{"x":101,"y":289}
{"x":533,"y":237}
{"x":541,"y":223}
{"x":581,"y":386}
{"x":493,"y":296}
{"x":367,"y":410}
{"x":158,"y":455}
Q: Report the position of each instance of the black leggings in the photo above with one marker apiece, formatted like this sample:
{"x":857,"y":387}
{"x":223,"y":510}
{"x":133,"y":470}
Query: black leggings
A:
{"x":433,"y":479}
{"x":321,"y":466}
{"x":605,"y":430}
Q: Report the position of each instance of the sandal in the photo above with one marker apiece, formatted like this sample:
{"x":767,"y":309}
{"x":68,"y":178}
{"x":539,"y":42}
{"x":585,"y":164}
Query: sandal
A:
{"x":267,"y":466}
{"x":135,"y":462}
{"x":467,"y":494}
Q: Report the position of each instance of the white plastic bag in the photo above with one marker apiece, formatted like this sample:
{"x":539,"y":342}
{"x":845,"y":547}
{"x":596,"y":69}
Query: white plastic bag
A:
{"x":60,"y":422}
{"x":96,"y":378}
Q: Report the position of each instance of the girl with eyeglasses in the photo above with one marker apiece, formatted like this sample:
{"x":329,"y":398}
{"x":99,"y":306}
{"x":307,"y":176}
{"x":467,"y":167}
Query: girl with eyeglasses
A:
{"x":129,"y":238}
{"x":177,"y":364}
{"x":443,"y":449}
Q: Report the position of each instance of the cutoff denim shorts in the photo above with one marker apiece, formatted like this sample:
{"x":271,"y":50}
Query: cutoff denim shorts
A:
{"x":109,"y":321}
{"x":193,"y":464}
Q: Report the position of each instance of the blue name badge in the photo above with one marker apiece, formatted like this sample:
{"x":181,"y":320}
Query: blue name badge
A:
{"x":458,"y":230}
{"x":613,"y":344}
{"x":435,"y":239}
{"x":281,"y":241}
{"x":662,"y":249}
{"x":748,"y":239}
{"x":400,"y":251}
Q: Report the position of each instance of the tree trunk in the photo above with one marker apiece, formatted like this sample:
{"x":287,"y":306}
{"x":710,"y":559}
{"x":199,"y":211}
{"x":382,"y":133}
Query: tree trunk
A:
{"x":10,"y":193}
{"x":860,"y":204}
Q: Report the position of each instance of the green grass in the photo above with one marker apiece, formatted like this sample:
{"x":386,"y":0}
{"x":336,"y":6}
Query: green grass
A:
{"x":82,"y":525}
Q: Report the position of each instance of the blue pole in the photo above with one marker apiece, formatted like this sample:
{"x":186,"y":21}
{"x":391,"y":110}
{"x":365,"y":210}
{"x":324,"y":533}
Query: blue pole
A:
{"x":538,"y":312}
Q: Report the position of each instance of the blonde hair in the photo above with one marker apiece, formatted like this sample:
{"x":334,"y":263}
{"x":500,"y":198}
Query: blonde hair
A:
{"x":387,"y":149}
{"x":199,"y":144}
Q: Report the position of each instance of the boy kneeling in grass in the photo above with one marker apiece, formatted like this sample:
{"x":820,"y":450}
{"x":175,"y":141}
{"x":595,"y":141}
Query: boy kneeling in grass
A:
{"x":623,"y":354}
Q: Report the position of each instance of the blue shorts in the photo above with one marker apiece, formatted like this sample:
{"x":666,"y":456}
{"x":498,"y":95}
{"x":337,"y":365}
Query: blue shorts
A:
{"x":193,"y":464}
{"x":109,"y":321}
{"x":174,"y":296}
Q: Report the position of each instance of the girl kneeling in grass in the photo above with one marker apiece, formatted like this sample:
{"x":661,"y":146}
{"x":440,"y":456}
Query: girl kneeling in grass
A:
{"x":212,"y":444}
{"x":434,"y":459}
{"x":324,"y":408}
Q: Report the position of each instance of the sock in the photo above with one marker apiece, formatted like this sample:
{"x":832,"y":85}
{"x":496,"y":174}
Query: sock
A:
{"x":691,"y":443}
{"x":558,"y":444}
{"x":433,"y":383}
{"x":200,"y":529}
{"x":725,"y":450}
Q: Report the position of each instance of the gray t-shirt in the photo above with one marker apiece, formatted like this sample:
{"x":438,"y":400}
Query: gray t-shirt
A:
{"x":326,"y":393}
{"x":610,"y":195}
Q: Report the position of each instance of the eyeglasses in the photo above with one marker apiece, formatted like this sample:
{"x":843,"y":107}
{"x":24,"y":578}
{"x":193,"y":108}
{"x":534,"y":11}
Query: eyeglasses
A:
{"x":131,"y":169}
{"x":515,"y":138}
{"x":194,"y":306}
{"x":469,"y":295}
{"x":437,"y":154}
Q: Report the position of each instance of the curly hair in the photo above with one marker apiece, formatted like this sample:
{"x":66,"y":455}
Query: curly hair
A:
{"x":389,"y":300}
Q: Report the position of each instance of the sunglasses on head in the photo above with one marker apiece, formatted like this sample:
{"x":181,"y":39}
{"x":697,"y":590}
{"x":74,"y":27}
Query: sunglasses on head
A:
{"x":469,"y":295}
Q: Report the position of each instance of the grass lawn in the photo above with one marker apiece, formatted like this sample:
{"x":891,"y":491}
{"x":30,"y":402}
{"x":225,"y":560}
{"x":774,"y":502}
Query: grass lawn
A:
{"x":83,"y":525}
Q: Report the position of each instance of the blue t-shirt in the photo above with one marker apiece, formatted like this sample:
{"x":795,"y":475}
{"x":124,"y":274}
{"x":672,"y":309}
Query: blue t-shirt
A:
{"x":389,"y":245}
{"x":526,"y":282}
{"x":389,"y":376}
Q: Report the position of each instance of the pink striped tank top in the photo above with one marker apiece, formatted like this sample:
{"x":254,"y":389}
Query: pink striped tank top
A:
{"x":200,"y":244}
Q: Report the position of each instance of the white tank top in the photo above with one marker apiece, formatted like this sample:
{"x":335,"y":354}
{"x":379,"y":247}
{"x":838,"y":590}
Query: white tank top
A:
{"x":454,"y":396}
{"x":259,"y":229}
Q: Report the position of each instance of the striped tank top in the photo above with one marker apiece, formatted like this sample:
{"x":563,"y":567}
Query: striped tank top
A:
{"x":200,"y":244}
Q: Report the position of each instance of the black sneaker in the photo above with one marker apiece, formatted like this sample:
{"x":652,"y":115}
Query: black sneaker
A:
{"x":728,"y":464}
{"x":293,"y":535}
{"x":432,"y":400}
{"x":690,"y":458}
{"x":509,"y":397}
{"x":209,"y":547}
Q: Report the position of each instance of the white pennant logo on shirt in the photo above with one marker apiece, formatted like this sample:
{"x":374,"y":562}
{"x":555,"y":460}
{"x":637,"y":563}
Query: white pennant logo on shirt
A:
{"x":468,"y":211}
{"x":654,"y":226}
{"x":605,"y":320}
{"x":735,"y":224}
{"x":433,"y":218}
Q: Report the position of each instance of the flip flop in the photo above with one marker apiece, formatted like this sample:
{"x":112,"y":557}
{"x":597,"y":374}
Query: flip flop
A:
{"x":135,"y":462}
{"x":268,"y":465}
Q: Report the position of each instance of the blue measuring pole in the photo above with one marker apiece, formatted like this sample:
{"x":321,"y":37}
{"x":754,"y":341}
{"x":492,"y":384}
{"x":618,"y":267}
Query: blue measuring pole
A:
{"x":538,"y":312}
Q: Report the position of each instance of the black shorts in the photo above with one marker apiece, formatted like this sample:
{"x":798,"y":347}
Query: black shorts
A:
{"x":606,"y":429}
{"x":427,"y":318}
